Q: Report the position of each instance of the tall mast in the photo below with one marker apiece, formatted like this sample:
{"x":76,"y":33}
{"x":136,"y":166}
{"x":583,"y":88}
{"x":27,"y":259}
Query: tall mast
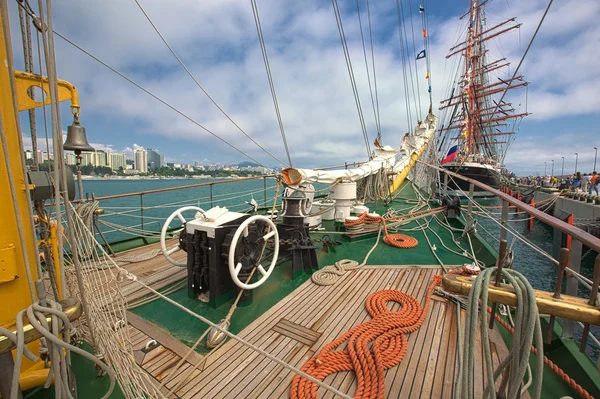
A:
{"x":476,"y":119}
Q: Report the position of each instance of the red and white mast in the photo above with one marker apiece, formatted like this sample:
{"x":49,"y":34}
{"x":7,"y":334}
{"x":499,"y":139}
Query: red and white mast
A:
{"x":476,"y":117}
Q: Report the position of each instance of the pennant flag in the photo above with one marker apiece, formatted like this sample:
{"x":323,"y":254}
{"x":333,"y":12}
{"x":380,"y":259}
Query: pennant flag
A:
{"x":376,"y":143}
{"x":422,"y":54}
{"x":424,"y":33}
{"x":426,"y":74}
{"x":452,"y":153}
{"x":421,"y":8}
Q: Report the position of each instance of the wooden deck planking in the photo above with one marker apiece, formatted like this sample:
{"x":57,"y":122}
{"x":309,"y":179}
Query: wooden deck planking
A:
{"x":324,"y":313}
{"x":142,"y":269}
{"x":221,"y":359}
{"x":357,"y":314}
{"x":347,"y":294}
{"x":346,"y":380}
{"x":159,"y":362}
{"x":396,"y":379}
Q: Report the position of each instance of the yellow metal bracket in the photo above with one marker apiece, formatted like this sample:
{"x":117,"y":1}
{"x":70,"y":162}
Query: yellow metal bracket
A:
{"x":25,"y":80}
{"x":8,"y":264}
{"x":567,"y":307}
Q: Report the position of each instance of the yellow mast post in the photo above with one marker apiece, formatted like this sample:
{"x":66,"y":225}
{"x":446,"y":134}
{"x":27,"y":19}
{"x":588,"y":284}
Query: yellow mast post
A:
{"x":18,"y":241}
{"x":14,"y":237}
{"x":399,"y":179}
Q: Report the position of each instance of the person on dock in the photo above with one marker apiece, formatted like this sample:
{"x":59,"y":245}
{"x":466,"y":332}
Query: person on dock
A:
{"x":576,"y":182}
{"x":594,"y":181}
{"x":585,"y":181}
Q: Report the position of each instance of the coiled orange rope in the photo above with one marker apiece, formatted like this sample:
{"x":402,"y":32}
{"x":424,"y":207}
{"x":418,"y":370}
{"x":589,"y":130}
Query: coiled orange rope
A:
{"x":395,"y":240}
{"x":372,"y":347}
{"x":386,"y":334}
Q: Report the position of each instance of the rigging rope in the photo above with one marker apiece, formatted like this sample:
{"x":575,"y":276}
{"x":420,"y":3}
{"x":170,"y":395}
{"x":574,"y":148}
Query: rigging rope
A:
{"x":340,"y":26}
{"x":374,"y":72}
{"x":88,"y":237}
{"x":527,"y":330}
{"x":181,"y":113}
{"x":362,"y":39}
{"x":402,"y":57}
{"x":263,"y":48}
{"x":412,"y":28}
{"x":523,"y":56}
{"x":200,"y":86}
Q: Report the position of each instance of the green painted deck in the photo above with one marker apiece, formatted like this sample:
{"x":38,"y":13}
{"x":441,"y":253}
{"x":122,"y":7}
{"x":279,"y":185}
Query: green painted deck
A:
{"x":292,"y":318}
{"x":281,"y":283}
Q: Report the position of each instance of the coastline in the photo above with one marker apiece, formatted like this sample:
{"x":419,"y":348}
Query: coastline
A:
{"x":137,"y":177}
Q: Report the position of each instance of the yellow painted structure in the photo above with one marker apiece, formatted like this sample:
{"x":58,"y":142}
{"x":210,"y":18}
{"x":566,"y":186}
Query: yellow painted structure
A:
{"x":14,"y":293}
{"x":399,"y":179}
{"x":14,"y":287}
{"x":25,"y":80}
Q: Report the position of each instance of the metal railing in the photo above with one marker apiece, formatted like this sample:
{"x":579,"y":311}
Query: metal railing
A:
{"x":211,"y":197}
{"x":570,"y":265}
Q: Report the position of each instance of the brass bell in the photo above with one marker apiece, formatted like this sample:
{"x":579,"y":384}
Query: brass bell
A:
{"x":77,"y":139}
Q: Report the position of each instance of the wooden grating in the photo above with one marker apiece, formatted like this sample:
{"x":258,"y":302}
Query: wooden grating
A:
{"x":289,"y":332}
{"x":296,"y":331}
{"x":159,"y":361}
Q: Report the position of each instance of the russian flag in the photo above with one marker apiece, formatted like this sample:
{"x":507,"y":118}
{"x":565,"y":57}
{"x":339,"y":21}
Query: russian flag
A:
{"x":452,"y":153}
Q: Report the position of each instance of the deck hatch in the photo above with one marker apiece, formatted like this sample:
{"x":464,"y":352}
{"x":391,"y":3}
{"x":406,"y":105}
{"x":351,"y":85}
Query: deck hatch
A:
{"x":295,"y":331}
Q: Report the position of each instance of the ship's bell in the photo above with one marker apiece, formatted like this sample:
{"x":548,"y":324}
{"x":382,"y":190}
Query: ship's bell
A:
{"x":77,"y":139}
{"x":216,"y":337}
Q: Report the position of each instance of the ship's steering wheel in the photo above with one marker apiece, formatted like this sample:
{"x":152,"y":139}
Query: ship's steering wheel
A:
{"x":163,"y":233}
{"x":258,"y":249}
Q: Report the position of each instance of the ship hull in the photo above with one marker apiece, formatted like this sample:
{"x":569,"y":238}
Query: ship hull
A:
{"x":483,"y":173}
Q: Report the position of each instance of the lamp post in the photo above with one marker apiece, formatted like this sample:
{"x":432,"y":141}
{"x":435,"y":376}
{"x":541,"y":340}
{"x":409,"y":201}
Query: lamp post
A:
{"x":544,"y":168}
{"x":562,"y":171}
{"x":552,"y":173}
{"x":576,"y":159}
{"x":595,"y":156}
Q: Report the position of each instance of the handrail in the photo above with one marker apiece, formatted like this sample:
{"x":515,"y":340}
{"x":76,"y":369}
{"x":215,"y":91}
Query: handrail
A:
{"x":584,"y":237}
{"x":161,"y":190}
{"x":345,"y":165}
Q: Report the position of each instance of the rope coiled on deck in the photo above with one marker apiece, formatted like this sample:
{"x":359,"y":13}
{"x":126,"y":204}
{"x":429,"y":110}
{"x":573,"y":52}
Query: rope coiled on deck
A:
{"x":372,"y":347}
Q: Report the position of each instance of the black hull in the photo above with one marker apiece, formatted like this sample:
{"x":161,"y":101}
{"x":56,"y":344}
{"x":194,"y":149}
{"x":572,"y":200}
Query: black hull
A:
{"x":482,"y":174}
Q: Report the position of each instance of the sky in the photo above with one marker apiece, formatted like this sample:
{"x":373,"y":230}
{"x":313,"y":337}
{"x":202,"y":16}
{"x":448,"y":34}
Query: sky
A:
{"x":217,"y":41}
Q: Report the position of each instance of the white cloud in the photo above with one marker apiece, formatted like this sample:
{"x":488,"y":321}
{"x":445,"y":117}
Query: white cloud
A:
{"x":531,"y":153}
{"x":217,"y":41}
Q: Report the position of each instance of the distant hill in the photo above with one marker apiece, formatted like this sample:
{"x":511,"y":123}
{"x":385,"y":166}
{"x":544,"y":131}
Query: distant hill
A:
{"x":247,"y":164}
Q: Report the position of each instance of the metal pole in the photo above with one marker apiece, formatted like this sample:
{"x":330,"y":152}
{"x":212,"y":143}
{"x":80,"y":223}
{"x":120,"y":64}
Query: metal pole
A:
{"x":445,"y":184}
{"x":499,"y":264}
{"x":591,"y":302}
{"x":544,"y":168}
{"x":572,"y":283}
{"x":78,"y":167}
{"x":470,"y":206}
{"x":265,"y":189}
{"x":552,"y":173}
{"x":211,"y":195}
{"x":562,"y":264}
{"x":142,"y":211}
{"x":576,"y":159}
{"x":595,"y":157}
{"x":562,"y":171}
{"x":504,"y":217}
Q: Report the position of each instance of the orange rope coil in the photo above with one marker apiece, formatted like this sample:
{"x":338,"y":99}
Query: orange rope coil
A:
{"x":372,"y":347}
{"x":395,"y":240}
